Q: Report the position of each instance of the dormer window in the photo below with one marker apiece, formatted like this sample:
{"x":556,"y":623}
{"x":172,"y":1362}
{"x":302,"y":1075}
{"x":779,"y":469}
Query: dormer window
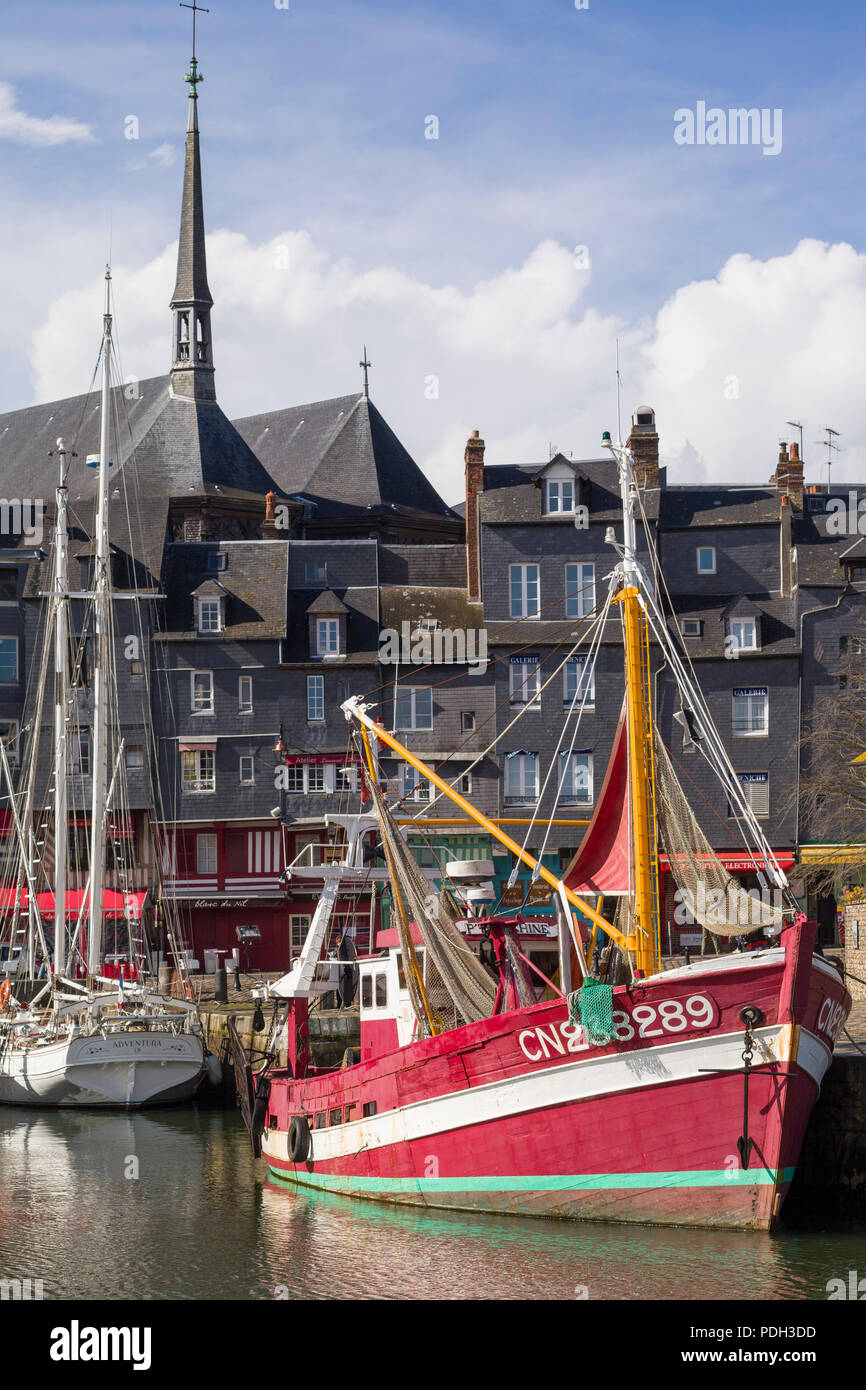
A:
{"x":743,"y":634}
{"x":559,"y":496}
{"x":328,"y":636}
{"x":210,"y":615}
{"x":692,"y":627}
{"x":706,"y":557}
{"x":216,"y":563}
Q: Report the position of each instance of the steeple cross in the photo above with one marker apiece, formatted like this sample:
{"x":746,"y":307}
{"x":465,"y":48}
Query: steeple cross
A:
{"x":192,"y":76}
{"x":366,"y":365}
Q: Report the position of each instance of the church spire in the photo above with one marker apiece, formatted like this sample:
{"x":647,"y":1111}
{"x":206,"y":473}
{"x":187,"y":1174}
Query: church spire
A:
{"x":192,"y":372}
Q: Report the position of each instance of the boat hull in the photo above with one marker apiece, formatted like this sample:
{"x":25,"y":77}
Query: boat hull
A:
{"x":125,"y":1070}
{"x":520,"y":1114}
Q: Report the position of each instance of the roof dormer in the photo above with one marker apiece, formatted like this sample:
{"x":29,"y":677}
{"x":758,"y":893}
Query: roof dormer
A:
{"x":327,"y":616}
{"x":564,"y":490}
{"x":209,"y":603}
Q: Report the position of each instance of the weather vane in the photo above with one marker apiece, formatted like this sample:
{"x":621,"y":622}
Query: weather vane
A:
{"x":193,"y":77}
{"x":366,"y":365}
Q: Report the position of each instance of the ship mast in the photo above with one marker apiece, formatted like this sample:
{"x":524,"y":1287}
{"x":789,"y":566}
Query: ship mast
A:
{"x":102,"y":619}
{"x":61,"y":698}
{"x":641,"y":761}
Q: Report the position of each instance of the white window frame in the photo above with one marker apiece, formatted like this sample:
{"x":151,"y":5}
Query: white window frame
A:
{"x":315,"y":699}
{"x":207,"y":605}
{"x":521,"y":604}
{"x":137,"y":766}
{"x":411,"y":693}
{"x":328,"y":636}
{"x":248,"y":758}
{"x":206,"y":851}
{"x":415,"y":786}
{"x":311,"y":775}
{"x":697,"y":624}
{"x":80,"y":751}
{"x":208,"y":706}
{"x":743,"y":623}
{"x":203,"y":780}
{"x":13,"y":679}
{"x":245,"y":701}
{"x":579,"y":590}
{"x":299,"y":925}
{"x":762,"y":810}
{"x":557,"y":491}
{"x":698,"y":551}
{"x":577,"y":788}
{"x":464,"y":785}
{"x":751,"y":732}
{"x":583,"y":673}
{"x":467,"y":721}
{"x":524,"y":684}
{"x":521,"y":779}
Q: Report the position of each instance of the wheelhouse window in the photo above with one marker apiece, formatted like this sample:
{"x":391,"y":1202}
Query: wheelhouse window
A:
{"x":413,"y":707}
{"x":524,"y":589}
{"x":199,"y":772}
{"x":579,"y":682}
{"x":751,"y":712}
{"x":525,"y":681}
{"x":315,"y":698}
{"x":8,"y":660}
{"x":579,"y":590}
{"x":201,"y":692}
{"x":576,"y":777}
{"x":706,"y":558}
{"x":521,"y":778}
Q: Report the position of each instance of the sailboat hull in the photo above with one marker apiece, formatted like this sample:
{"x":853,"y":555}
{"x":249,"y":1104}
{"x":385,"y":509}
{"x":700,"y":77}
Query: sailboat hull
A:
{"x":125,"y":1070}
{"x":521,"y":1114}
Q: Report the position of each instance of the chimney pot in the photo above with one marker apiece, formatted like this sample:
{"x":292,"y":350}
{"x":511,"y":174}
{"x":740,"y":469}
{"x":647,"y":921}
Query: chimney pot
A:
{"x":795,"y":453}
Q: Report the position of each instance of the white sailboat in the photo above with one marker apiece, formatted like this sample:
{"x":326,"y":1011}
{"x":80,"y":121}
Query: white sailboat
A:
{"x":97,"y":1041}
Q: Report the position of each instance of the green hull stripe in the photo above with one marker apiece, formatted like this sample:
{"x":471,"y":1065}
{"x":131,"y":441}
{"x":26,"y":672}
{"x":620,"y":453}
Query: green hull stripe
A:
{"x":565,"y":1182}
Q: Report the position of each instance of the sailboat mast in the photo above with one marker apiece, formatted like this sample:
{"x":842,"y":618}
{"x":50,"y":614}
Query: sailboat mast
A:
{"x":102,"y":619}
{"x":61,"y":700}
{"x":641,"y":767}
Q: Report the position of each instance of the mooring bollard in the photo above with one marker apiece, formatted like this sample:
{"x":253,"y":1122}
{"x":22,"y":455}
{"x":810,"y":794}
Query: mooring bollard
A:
{"x":164,"y":981}
{"x":221,"y":986}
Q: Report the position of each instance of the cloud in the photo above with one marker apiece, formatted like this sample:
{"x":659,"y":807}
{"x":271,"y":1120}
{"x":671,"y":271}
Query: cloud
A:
{"x":37,"y":130}
{"x":522,"y":355}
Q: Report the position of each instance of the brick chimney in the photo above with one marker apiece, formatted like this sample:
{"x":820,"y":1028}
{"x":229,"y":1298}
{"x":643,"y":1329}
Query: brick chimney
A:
{"x":795,"y":478}
{"x":780,"y":477}
{"x":644,"y":444}
{"x":474,"y":459}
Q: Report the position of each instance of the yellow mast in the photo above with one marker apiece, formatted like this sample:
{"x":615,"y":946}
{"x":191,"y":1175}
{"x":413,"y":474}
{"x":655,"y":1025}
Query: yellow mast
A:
{"x":354,"y":709}
{"x":641,"y":776}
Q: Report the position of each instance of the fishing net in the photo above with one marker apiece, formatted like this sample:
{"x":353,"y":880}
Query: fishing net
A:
{"x":592,"y":1006}
{"x":456,"y":984}
{"x":708,"y":893}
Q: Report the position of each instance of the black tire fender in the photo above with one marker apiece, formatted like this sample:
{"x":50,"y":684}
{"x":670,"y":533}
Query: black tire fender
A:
{"x":299,"y":1139}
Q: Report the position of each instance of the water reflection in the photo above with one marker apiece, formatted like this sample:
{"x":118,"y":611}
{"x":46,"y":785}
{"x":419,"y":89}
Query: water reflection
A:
{"x":170,"y":1205}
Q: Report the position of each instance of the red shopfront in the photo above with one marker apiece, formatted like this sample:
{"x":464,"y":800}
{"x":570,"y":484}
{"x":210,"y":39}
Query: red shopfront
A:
{"x":677,"y":935}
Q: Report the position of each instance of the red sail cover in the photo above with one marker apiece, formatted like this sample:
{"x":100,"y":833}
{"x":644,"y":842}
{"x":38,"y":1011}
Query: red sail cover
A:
{"x":601,"y":865}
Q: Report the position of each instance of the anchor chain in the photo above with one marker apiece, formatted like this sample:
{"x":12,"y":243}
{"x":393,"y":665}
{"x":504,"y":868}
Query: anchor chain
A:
{"x":751,"y":1016}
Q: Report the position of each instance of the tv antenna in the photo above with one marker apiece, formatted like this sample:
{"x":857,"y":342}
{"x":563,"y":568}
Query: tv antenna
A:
{"x":795,"y":425}
{"x":831,"y":448}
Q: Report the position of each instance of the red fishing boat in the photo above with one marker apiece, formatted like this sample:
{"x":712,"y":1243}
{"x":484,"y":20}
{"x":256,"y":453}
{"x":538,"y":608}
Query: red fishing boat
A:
{"x":674,"y":1097}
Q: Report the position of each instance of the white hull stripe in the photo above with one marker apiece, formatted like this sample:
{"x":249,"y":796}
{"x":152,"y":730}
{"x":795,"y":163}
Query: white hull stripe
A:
{"x":554,"y":1085}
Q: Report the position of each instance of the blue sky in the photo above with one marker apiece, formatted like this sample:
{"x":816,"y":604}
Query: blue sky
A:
{"x":555,"y":125}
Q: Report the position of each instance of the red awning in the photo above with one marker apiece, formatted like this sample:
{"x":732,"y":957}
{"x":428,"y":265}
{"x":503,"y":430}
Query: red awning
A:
{"x":601,"y":865}
{"x":115,"y":905}
{"x":320,"y":758}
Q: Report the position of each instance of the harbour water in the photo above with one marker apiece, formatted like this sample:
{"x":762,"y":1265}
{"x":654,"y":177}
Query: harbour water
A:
{"x":171,"y":1205}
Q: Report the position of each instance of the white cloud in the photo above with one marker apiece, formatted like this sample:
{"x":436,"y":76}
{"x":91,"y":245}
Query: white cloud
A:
{"x":521,"y":356}
{"x":16,"y":125}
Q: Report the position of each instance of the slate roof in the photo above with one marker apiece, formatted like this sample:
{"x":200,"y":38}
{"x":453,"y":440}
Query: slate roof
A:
{"x":513,"y":493}
{"x":407,"y":603}
{"x":362,"y":628}
{"x":819,"y":550}
{"x":191,"y":284}
{"x":254,"y":584}
{"x":342,"y":455}
{"x":683,"y":507}
{"x":778,"y":625}
{"x":438,"y":565}
{"x":327,"y":602}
